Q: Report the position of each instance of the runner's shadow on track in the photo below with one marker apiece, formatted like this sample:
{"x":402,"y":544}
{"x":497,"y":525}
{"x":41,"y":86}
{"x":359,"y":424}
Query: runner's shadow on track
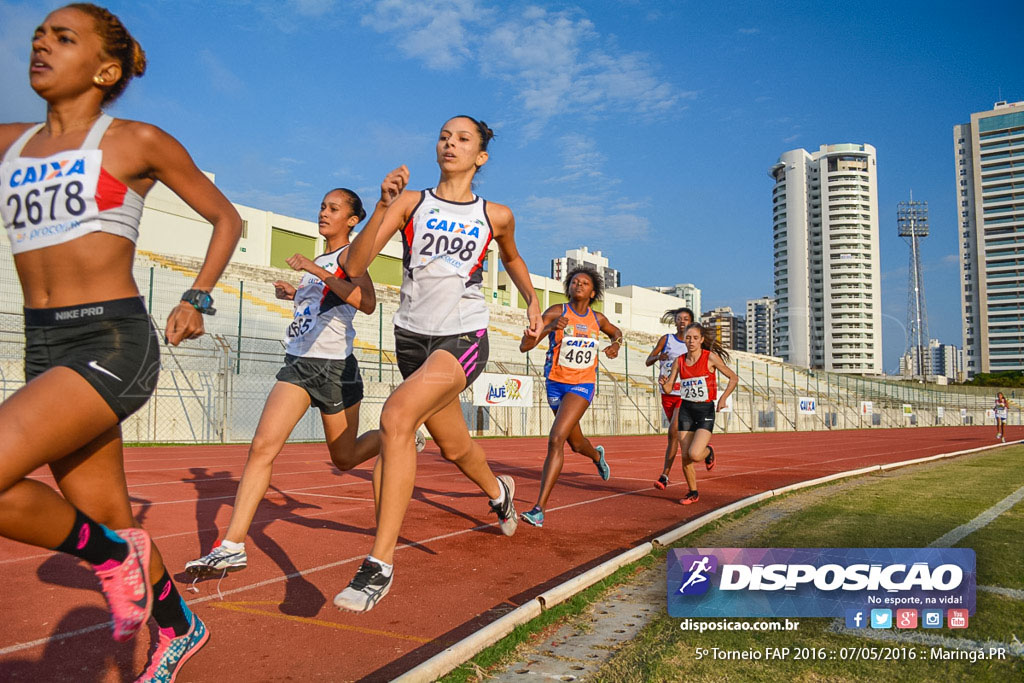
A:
{"x":302,"y":598}
{"x":87,"y":658}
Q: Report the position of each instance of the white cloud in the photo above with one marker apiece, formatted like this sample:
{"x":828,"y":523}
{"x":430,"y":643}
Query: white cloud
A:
{"x":592,"y":219}
{"x":581,"y":161}
{"x":433,"y":32}
{"x":556,"y":62}
{"x":221,"y":77}
{"x":749,"y":31}
{"x":312,"y":8}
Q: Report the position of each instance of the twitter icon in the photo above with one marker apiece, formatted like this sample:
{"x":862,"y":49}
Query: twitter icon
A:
{"x":881,"y":618}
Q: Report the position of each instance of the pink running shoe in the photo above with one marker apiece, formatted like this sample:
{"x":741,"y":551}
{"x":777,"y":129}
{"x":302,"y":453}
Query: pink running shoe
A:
{"x":126,"y":586}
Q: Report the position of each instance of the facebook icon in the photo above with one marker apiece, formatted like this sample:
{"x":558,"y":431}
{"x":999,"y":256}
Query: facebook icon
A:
{"x":856,"y":618}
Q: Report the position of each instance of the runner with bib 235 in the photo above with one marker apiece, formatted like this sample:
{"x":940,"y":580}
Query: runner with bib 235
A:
{"x":695,"y":371}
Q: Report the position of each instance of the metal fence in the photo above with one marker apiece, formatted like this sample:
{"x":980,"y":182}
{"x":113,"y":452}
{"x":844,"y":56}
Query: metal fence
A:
{"x":212,"y":390}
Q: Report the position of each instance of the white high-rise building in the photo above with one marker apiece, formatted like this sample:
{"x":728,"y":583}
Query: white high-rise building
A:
{"x":760,"y":323}
{"x":560,"y":267}
{"x":689,"y":293}
{"x":827,"y":281}
{"x":990,"y":211}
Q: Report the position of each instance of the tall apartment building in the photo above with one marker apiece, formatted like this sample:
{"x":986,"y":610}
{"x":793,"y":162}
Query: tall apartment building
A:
{"x":827,"y":281}
{"x":583,"y":256}
{"x":730,"y":329}
{"x":760,"y":321}
{"x":687,"y":292}
{"x":990,"y":209}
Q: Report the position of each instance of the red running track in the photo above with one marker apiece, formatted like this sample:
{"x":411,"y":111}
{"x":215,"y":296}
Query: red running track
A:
{"x":456,"y":573}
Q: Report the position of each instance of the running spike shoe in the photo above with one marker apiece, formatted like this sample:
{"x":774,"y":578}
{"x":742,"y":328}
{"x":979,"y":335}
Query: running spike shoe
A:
{"x":602,"y":464}
{"x":366,"y":589}
{"x":534,"y":517}
{"x":506,"y":510}
{"x":217,"y":561}
{"x":127,"y":587}
{"x":172,"y":653}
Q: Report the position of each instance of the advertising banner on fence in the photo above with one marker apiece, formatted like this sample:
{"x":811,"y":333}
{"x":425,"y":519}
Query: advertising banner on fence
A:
{"x":940,"y":412}
{"x":908,"y":409}
{"x":807,"y":405}
{"x":503,"y":390}
{"x":817,"y":582}
{"x":866,"y":407}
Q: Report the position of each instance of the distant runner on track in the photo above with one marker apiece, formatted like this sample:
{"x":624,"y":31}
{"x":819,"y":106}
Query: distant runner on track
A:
{"x":665,"y":352}
{"x":695,"y":370}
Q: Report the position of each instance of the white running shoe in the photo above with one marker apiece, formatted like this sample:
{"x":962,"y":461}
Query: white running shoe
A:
{"x":506,"y":511}
{"x":421,"y":441}
{"x":220,"y":559}
{"x":366,"y":589}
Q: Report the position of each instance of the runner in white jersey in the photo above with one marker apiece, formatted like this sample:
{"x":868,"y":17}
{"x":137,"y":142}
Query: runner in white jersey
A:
{"x":668,"y":348}
{"x":320,"y":371}
{"x":440,"y":337}
{"x":71,"y":194}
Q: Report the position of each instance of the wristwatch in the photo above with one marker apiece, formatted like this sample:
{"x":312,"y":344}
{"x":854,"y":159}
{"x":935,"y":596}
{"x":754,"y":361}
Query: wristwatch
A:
{"x":200,"y":300}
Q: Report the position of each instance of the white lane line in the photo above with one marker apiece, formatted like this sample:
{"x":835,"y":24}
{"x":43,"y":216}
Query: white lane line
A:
{"x":982,"y":520}
{"x":1012,"y":593}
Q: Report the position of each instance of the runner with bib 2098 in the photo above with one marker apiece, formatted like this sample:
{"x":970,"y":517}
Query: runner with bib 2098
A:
{"x":440,"y":337}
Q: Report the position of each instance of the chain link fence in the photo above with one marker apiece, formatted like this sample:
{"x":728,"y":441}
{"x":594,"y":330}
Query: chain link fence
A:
{"x":212,"y":390}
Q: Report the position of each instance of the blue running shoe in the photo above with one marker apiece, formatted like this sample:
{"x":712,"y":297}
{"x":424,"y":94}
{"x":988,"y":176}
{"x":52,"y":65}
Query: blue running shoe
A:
{"x":602,"y":465}
{"x":534,"y":517}
{"x":172,"y":653}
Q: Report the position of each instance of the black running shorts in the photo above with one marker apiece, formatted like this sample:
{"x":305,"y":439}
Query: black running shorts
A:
{"x":332,"y":384}
{"x":112,"y":344}
{"x":471,"y":349}
{"x":694,"y":416}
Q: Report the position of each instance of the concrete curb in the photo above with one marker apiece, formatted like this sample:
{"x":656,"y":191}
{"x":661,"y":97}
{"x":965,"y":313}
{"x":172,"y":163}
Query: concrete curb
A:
{"x":564,"y":591}
{"x":451,"y":657}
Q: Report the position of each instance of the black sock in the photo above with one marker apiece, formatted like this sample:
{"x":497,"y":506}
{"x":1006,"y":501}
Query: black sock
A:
{"x":93,"y":542}
{"x":169,"y":609}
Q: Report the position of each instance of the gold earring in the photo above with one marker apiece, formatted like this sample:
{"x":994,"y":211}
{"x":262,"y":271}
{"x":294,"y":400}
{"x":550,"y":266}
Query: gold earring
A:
{"x":98,"y":80}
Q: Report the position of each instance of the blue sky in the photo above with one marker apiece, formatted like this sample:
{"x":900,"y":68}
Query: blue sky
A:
{"x":643,"y":129}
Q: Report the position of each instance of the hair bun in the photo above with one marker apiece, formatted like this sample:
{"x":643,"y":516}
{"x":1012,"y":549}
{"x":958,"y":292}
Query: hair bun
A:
{"x":138,"y":59}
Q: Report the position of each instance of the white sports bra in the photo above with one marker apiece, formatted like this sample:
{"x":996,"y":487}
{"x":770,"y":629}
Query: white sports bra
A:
{"x":52,"y":200}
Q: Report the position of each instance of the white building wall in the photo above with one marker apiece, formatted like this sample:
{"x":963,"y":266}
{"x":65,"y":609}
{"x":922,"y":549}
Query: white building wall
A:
{"x":990,"y":212}
{"x":827,"y":278}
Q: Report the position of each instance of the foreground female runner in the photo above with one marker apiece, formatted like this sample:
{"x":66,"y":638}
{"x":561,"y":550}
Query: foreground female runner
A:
{"x":571,"y":370}
{"x":440,"y":337}
{"x":71,"y":198}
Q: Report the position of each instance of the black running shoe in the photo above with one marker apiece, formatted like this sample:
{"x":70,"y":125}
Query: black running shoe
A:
{"x":506,"y":511}
{"x":365,"y":590}
{"x":709,"y":461}
{"x":661,"y":483}
{"x":690,"y":498}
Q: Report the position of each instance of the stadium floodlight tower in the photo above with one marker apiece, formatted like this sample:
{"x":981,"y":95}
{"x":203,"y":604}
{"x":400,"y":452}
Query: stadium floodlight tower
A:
{"x":912,"y":222}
